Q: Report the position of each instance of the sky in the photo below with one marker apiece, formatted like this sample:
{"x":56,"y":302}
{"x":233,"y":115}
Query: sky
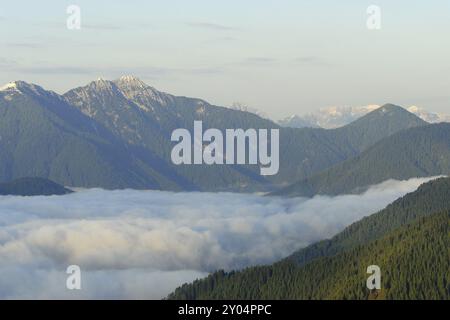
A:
{"x":280,"y":57}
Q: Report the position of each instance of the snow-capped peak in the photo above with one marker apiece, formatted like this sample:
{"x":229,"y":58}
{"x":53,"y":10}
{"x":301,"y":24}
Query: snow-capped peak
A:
{"x":22,"y":87}
{"x":130,"y":78}
{"x":334,"y":117}
{"x":17,"y":85}
{"x":9,"y":90}
{"x":428,"y":116}
{"x":102,"y":81}
{"x":414,"y":109}
{"x":9,"y":86}
{"x":131,"y":83}
{"x":102,"y":85}
{"x":140,"y":93}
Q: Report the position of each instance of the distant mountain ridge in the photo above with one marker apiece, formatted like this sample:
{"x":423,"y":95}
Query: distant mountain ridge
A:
{"x":153,"y":115}
{"x":417,"y":152}
{"x":42,"y":135}
{"x":335,"y":117}
{"x":144,"y":118}
{"x":116,"y":134}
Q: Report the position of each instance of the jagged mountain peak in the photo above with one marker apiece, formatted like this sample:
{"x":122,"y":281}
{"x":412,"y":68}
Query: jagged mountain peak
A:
{"x":97,"y":93}
{"x":101,"y":84}
{"x":141,"y":93}
{"x":131,"y":81}
{"x":129,"y":84}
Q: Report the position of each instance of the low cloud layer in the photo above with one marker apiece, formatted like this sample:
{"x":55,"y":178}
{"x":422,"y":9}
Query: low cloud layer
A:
{"x":143,"y":244}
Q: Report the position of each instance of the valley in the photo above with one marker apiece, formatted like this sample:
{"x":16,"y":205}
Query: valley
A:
{"x":334,"y":198}
{"x":135,"y":244}
{"x":409,"y":240}
{"x":221,"y":156}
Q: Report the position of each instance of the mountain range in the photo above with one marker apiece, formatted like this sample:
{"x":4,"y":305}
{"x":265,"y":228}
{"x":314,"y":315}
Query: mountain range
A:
{"x":409,"y":240}
{"x":416,"y":152}
{"x":116,"y":134}
{"x":335,"y":117}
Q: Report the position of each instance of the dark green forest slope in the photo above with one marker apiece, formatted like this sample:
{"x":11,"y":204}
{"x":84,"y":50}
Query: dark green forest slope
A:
{"x":43,"y":136}
{"x":417,"y":152}
{"x":429,"y":198}
{"x":414,"y":262}
{"x":395,"y":238}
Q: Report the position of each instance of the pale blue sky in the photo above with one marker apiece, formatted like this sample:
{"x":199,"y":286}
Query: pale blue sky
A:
{"x":281,"y":57}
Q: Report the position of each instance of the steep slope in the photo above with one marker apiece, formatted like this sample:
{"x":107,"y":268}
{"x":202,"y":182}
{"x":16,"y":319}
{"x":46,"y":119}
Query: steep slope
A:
{"x":145,"y":118}
{"x":409,"y":240}
{"x":378,"y":124}
{"x":41,"y":135}
{"x":307,"y":151}
{"x":429,"y":198}
{"x":418,"y":152}
{"x":414,"y":262}
{"x":32,"y":187}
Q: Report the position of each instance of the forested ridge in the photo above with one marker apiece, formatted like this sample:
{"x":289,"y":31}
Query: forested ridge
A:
{"x":409,"y":241}
{"x":417,"y":152}
{"x":429,"y":198}
{"x":117,"y":134}
{"x":414,"y":262}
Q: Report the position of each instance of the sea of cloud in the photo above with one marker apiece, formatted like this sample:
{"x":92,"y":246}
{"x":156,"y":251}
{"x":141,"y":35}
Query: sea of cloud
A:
{"x":143,"y":244}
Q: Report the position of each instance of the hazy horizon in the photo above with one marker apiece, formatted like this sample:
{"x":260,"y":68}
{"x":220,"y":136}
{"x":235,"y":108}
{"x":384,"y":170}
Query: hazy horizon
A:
{"x":289,"y":57}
